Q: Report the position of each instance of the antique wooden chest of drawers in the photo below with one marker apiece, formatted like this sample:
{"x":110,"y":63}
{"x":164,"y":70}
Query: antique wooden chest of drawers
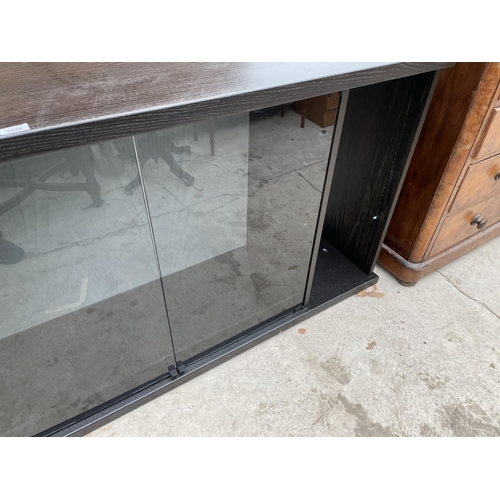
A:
{"x":321,"y":110}
{"x":450,"y":200}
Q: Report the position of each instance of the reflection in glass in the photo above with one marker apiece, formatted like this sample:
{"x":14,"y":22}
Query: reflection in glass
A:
{"x":82,"y":316}
{"x":231,"y":211}
{"x":234,"y":203}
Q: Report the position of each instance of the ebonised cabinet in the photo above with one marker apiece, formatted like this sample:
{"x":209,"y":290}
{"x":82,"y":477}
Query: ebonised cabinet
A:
{"x":159,"y":218}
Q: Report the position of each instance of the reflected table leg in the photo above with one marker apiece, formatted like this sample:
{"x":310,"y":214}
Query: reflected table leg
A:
{"x":86,"y":160}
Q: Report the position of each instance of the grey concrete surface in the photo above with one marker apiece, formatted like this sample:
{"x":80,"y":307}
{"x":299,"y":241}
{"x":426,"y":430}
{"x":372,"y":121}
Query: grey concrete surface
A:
{"x":390,"y":361}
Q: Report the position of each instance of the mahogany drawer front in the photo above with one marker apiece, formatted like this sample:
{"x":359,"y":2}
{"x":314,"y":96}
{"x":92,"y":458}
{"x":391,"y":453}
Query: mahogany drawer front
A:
{"x":458,"y":227}
{"x":481,"y":181}
{"x":488,"y":142}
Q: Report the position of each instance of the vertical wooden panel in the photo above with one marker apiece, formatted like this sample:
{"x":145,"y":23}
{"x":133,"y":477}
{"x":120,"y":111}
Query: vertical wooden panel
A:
{"x":379,"y":128}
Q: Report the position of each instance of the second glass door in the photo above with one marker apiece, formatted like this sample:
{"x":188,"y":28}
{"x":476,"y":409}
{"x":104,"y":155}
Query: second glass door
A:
{"x":233,"y":203}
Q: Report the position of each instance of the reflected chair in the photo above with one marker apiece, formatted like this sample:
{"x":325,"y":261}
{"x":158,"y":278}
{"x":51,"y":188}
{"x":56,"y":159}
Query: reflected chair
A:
{"x":9,"y":253}
{"x":160,"y":144}
{"x":154,"y":146}
{"x":36,"y":177}
{"x":31,"y":176}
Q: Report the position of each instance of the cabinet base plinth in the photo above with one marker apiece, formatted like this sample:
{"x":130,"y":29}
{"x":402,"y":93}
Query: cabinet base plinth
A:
{"x":409,"y":273}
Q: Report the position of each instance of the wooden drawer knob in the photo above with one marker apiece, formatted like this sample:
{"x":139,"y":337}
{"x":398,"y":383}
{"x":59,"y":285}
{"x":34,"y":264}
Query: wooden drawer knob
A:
{"x":481,"y":223}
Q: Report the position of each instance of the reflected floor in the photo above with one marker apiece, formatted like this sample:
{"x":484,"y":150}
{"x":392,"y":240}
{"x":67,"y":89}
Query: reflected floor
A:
{"x":264,"y":273}
{"x":234,"y":246}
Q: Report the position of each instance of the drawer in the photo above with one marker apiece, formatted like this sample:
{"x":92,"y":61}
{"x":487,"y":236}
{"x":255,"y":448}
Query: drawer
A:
{"x":488,"y":142}
{"x":481,"y":181}
{"x":458,"y":227}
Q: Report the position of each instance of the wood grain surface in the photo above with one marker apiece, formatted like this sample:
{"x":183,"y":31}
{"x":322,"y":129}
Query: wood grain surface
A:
{"x":457,"y":227}
{"x":457,"y":163}
{"x":377,"y":135}
{"x":481,"y":181}
{"x":451,"y":102}
{"x":69,"y":104}
{"x":488,"y":142}
{"x":449,"y":182}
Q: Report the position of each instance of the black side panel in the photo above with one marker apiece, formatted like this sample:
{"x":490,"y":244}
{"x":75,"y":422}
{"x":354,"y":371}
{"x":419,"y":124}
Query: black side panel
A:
{"x":379,"y":128}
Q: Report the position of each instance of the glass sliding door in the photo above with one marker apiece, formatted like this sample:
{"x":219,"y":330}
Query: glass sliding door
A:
{"x":82,"y":314}
{"x":120,"y":258}
{"x":234,"y":203}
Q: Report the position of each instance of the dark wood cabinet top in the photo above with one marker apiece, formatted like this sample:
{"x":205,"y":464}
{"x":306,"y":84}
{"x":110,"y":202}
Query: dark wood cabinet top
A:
{"x":52,"y":96}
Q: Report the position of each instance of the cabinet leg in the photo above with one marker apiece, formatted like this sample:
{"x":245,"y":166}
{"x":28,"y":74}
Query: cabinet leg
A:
{"x":125,"y":151}
{"x":133,"y":184}
{"x":85,"y":156}
{"x":177,"y":170}
{"x":212,"y":137}
{"x":406,"y":283}
{"x":73,"y":169}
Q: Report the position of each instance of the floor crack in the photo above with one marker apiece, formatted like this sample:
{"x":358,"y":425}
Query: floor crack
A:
{"x":294,"y":171}
{"x":91,"y":239}
{"x":221,"y":206}
{"x":465,"y":294}
{"x":308,"y":181}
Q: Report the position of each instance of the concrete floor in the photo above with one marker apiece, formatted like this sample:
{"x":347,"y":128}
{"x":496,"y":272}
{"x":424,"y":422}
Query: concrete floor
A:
{"x":390,"y":361}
